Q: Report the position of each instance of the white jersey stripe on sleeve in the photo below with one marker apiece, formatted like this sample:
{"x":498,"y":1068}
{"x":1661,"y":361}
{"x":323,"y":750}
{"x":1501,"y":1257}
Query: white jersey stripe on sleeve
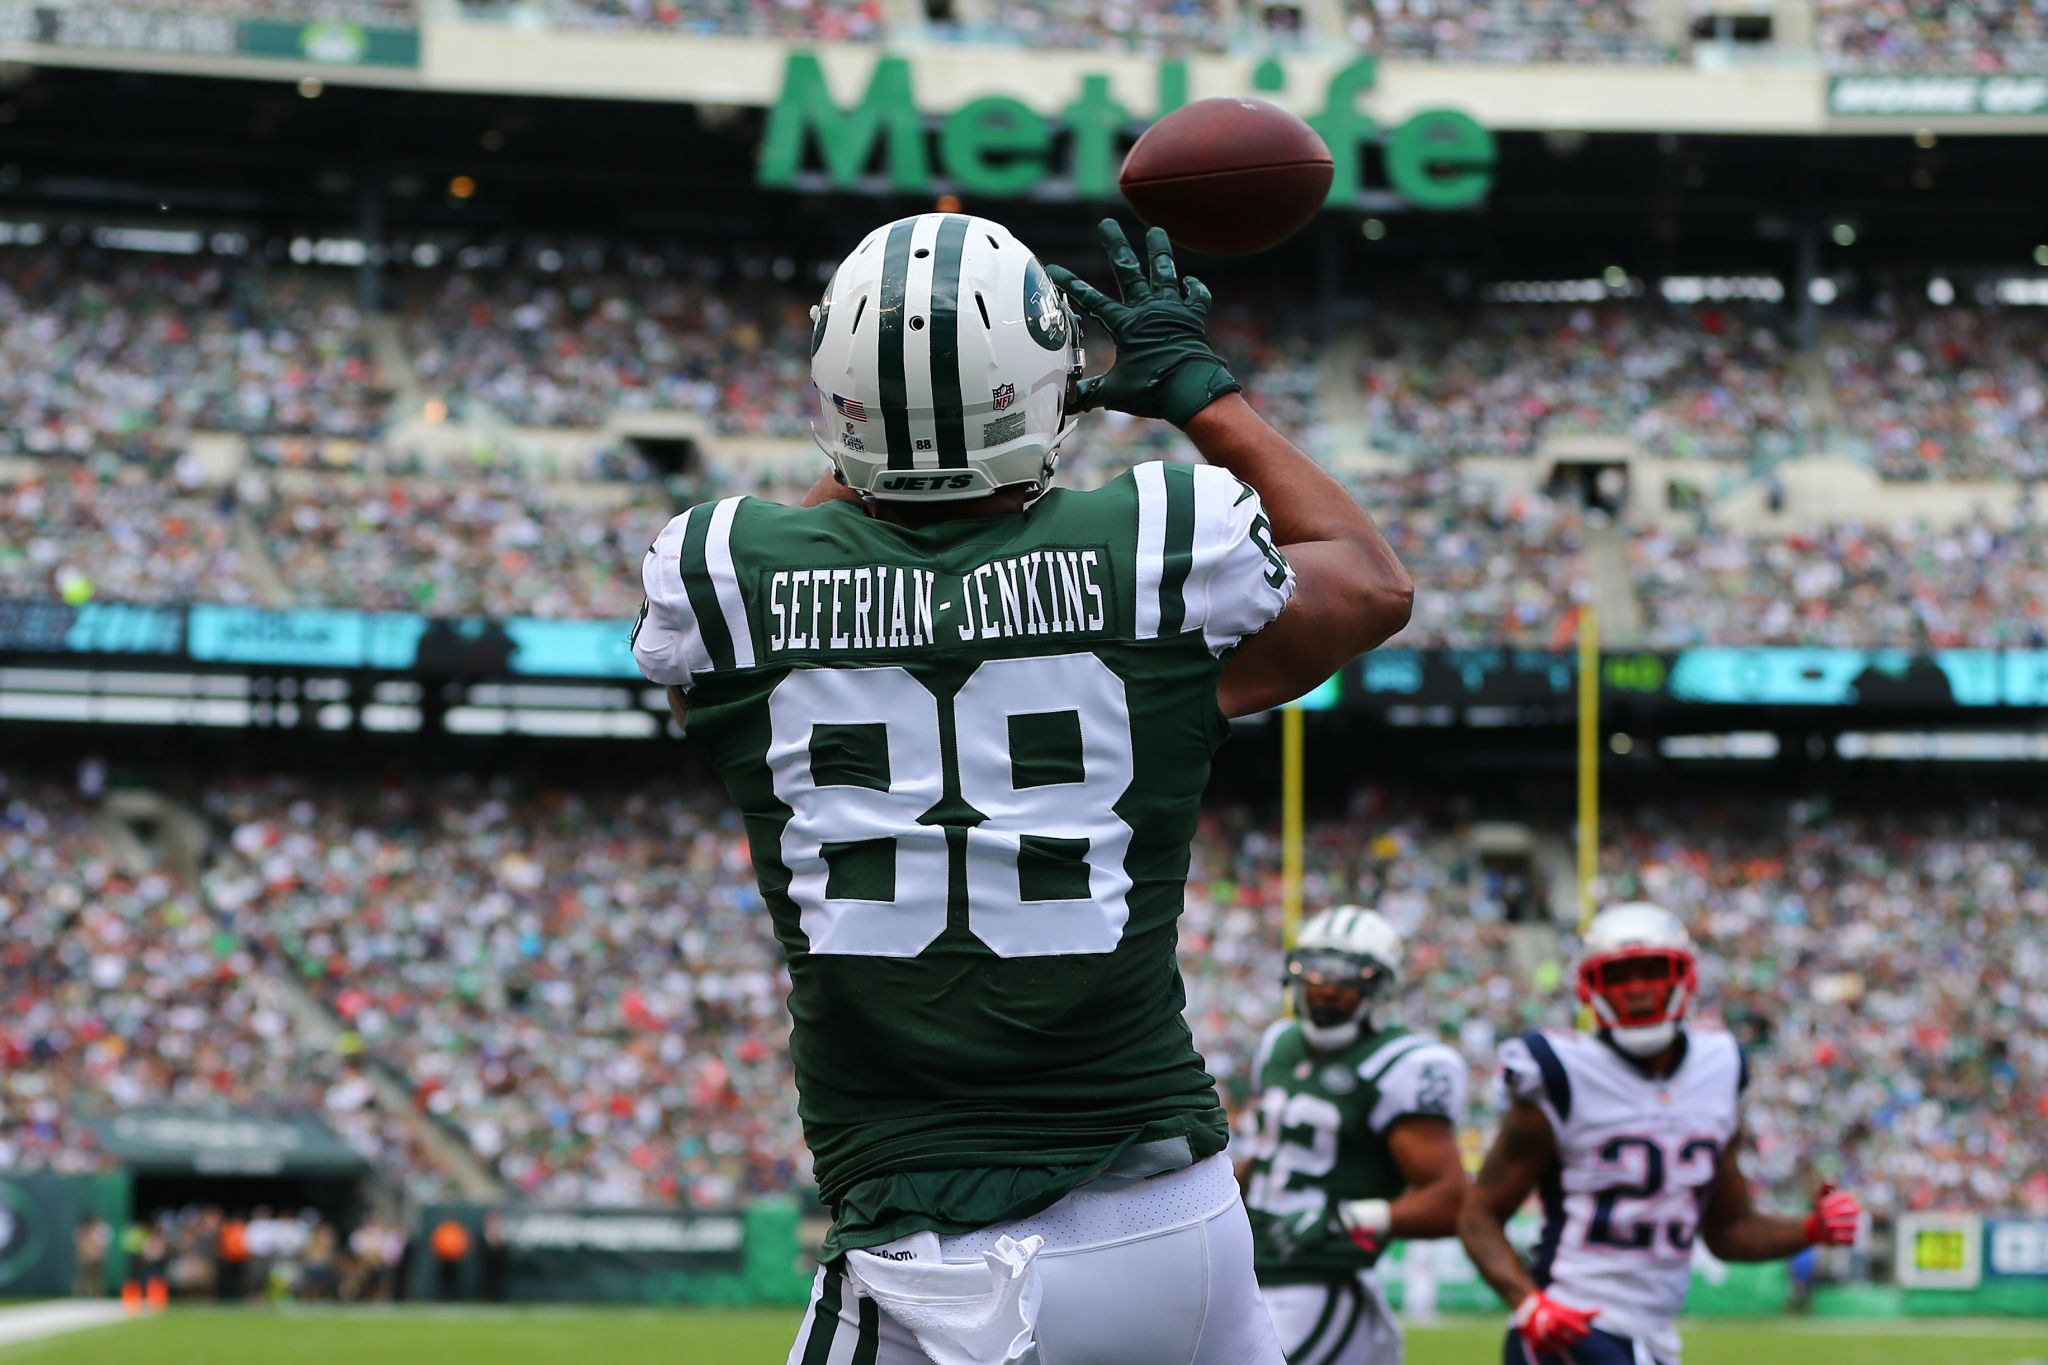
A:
{"x":668,"y":644}
{"x":1151,"y":481}
{"x":725,"y":580}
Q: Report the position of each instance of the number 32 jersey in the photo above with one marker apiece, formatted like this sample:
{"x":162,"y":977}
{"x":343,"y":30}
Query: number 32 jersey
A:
{"x":969,"y":758}
{"x":1635,"y":1161}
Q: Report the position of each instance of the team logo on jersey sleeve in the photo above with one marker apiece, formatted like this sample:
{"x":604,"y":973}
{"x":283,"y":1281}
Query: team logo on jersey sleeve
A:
{"x":1339,"y":1080}
{"x":1043,"y":316}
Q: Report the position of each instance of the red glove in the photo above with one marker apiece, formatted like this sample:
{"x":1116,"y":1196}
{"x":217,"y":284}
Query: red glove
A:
{"x":1548,"y":1326}
{"x":1834,"y":1218}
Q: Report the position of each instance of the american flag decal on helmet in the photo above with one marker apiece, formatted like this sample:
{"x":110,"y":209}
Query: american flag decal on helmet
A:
{"x":856,"y":410}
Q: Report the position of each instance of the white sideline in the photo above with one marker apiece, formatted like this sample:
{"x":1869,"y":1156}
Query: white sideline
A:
{"x":32,"y":1322}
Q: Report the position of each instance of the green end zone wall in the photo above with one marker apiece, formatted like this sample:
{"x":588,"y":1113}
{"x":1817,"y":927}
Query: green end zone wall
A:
{"x":748,"y":1257}
{"x":39,"y":1214}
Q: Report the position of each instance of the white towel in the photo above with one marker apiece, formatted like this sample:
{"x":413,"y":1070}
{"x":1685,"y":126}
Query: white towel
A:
{"x":978,"y":1313}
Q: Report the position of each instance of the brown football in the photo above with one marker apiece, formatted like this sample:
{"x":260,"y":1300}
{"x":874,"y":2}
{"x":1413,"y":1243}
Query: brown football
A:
{"x":1227,"y":176}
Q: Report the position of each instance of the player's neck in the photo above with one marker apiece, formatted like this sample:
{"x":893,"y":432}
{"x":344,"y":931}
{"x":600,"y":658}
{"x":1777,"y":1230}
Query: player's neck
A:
{"x":918,"y":515}
{"x":1659,"y":1064}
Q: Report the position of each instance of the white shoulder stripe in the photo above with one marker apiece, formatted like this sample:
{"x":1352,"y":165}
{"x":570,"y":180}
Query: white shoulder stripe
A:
{"x":668,"y":644}
{"x":1151,"y":481}
{"x":1385,"y":1055}
{"x":726,"y":581}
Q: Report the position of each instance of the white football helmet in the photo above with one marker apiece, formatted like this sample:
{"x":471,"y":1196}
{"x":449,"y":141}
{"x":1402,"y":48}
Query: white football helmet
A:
{"x":1657,"y":952}
{"x":944,"y":359}
{"x":1354,"y":949}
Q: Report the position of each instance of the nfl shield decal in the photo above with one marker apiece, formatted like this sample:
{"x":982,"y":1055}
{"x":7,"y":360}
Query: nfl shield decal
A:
{"x":1002,"y":396}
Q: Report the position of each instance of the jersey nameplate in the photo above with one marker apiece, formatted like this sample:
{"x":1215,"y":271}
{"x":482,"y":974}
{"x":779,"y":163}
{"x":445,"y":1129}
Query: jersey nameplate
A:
{"x":879,"y":607}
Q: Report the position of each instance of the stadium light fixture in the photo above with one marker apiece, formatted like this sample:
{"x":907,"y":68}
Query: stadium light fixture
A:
{"x":1940,"y":292}
{"x":1844,"y":235}
{"x":1823,"y":291}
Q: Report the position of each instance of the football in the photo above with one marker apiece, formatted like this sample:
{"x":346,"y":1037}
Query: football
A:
{"x":1228,"y":176}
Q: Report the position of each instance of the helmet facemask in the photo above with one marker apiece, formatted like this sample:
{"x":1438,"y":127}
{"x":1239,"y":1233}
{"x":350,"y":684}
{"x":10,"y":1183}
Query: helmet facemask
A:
{"x":1640,"y":995}
{"x":1334,"y":993}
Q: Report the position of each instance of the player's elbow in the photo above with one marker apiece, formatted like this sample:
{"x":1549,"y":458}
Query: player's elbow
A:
{"x":1381,"y":600}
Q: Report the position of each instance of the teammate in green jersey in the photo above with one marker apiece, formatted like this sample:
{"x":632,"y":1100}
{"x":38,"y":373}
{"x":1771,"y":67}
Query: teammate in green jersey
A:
{"x":967,"y":718}
{"x":1357,"y":1143}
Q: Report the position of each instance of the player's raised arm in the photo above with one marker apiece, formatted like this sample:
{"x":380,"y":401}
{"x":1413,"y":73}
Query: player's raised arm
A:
{"x":1350,"y":592}
{"x":1735,"y":1229}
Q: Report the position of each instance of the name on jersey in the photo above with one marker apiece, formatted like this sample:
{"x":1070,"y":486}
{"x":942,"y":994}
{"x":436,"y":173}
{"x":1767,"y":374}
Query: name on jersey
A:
{"x":873,"y":607}
{"x":1046,"y":592}
{"x":1043,"y":593}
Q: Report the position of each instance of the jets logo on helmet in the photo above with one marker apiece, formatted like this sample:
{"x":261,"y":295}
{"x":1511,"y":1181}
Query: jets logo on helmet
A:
{"x":1637,"y":972}
{"x":946,"y":336}
{"x":1344,"y":960}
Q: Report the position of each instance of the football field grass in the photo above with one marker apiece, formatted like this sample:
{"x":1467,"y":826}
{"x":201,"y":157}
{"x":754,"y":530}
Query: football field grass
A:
{"x":547,"y":1336}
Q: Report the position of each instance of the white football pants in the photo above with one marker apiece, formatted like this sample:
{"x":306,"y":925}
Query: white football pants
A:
{"x":1346,"y":1323}
{"x":1154,"y":1273}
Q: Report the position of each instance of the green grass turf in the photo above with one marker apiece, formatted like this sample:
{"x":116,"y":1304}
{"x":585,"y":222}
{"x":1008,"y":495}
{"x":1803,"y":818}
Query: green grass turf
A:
{"x":459,"y":1336}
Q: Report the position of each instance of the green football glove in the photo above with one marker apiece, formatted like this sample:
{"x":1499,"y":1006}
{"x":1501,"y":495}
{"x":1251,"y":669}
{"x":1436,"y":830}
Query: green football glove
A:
{"x":1296,"y":1234}
{"x":1164,"y":367}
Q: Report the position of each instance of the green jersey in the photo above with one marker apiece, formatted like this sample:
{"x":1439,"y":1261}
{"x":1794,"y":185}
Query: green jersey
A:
{"x":1323,"y":1121}
{"x":969,"y":758}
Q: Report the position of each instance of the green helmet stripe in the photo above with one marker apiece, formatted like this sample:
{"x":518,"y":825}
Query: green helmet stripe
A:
{"x":948,"y":414}
{"x":889,"y":333}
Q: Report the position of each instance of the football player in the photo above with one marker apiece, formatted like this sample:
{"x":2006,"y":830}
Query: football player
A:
{"x":1357,"y":1143}
{"x":1632,"y":1135}
{"x":968,"y":717}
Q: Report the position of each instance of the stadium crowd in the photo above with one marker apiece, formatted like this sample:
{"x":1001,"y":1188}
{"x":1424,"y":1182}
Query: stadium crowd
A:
{"x":103,"y":350}
{"x":1937,"y":36}
{"x":585,"y":985}
{"x":1977,"y":585}
{"x":1707,"y":381}
{"x":1507,"y":30}
{"x":117,"y":990}
{"x":1953,"y":393}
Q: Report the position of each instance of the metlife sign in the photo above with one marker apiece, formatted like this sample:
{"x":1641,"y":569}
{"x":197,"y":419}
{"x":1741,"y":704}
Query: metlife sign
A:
{"x":2008,"y":96}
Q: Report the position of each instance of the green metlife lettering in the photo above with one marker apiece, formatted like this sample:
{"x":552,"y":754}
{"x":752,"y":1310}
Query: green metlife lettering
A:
{"x":1438,"y":159}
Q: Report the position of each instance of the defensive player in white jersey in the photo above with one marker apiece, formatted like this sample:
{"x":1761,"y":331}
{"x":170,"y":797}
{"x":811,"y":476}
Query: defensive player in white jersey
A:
{"x":1632,"y":1136}
{"x":1357,"y":1143}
